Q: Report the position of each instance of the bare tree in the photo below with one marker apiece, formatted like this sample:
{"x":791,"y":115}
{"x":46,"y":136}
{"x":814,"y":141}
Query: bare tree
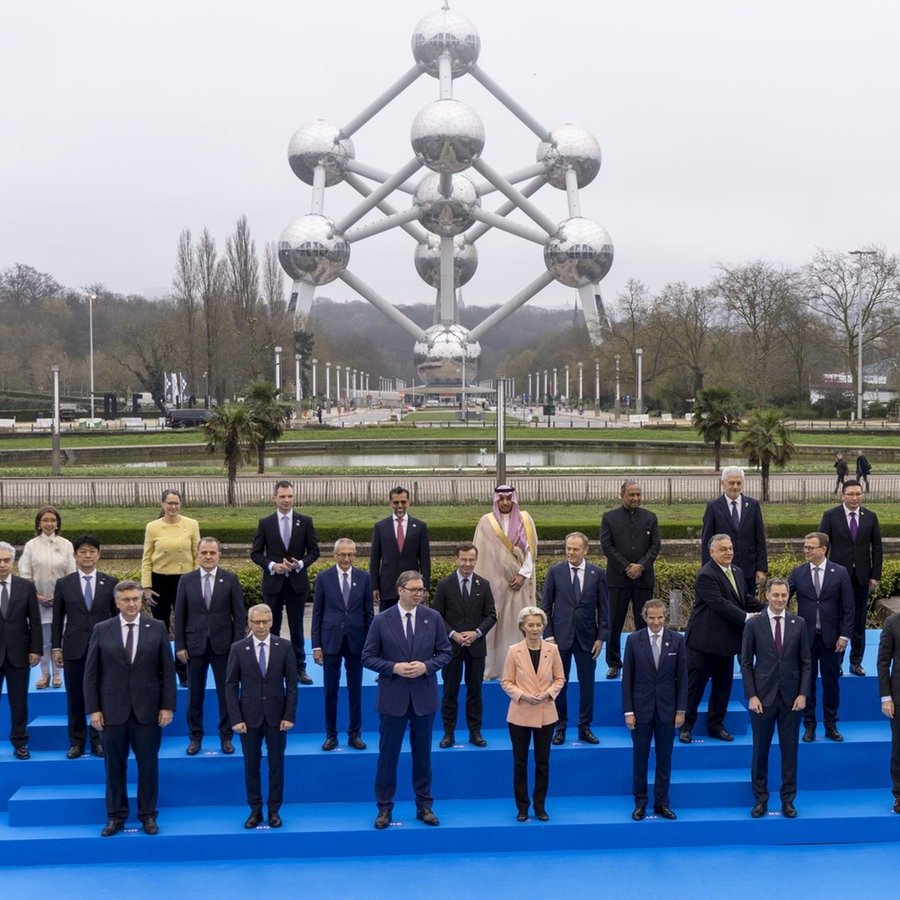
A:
{"x":211,"y":291}
{"x":248,"y":311}
{"x":22,"y":285}
{"x":185,"y":293}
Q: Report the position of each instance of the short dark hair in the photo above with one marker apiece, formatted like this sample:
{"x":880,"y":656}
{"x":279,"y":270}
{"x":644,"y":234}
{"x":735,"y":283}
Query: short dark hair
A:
{"x":397,"y":491}
{"x":850,"y":482}
{"x":464,"y":547}
{"x":282,"y":483}
{"x":85,"y":540}
{"x":410,"y":575}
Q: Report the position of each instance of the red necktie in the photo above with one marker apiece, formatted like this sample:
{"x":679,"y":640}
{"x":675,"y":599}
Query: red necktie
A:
{"x":400,"y":534}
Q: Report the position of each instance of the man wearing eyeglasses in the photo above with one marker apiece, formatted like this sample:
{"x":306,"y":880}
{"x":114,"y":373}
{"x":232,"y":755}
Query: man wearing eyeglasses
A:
{"x":407,"y":645}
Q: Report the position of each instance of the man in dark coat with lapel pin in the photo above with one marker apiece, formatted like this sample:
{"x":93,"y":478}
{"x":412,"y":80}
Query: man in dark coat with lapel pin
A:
{"x":209,"y":618}
{"x":262,"y":704}
{"x":654,"y":700}
{"x":465,"y":602}
{"x":343,"y":607}
{"x":889,"y":692}
{"x":576,"y":601}
{"x":775,"y":668}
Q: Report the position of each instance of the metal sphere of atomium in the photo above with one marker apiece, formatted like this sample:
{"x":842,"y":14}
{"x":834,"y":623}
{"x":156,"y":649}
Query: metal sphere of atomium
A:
{"x":428,"y":260}
{"x":579,"y":252}
{"x":446,"y":215}
{"x":320,"y":143}
{"x":447,"y":136}
{"x":439,"y":356}
{"x":310,"y":249}
{"x":446,"y":31}
{"x":570,"y":147}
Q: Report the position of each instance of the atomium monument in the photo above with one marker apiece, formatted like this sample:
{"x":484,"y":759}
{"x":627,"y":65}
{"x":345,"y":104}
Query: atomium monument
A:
{"x":446,"y":215}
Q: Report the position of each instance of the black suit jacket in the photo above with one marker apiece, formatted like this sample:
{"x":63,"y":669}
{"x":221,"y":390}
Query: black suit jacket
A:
{"x":20,"y":631}
{"x":332,"y":621}
{"x":749,"y":539}
{"x":629,"y":537}
{"x":253,"y":699}
{"x":478,"y":613}
{"x":834,"y":604}
{"x":217,"y":628}
{"x":73,"y":622}
{"x":268,"y":547}
{"x":764,"y":673}
{"x":861,"y":558}
{"x":648,"y":691}
{"x":115,"y":686}
{"x":568,"y":621}
{"x":889,"y":659}
{"x":386,"y":562}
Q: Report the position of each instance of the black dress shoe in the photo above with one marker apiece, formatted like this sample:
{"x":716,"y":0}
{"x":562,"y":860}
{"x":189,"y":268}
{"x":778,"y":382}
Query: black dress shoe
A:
{"x":253,"y":819}
{"x":788,"y":810}
{"x":275,"y":821}
{"x":638,"y":813}
{"x":720,"y":734}
{"x":329,"y":743}
{"x":448,"y":740}
{"x":97,"y":750}
{"x":383,"y":819}
{"x":74,"y":752}
{"x":22,"y":753}
{"x":896,"y":806}
{"x":857,"y":669}
{"x":759,"y":810}
{"x":182,"y":680}
{"x":664,"y":812}
{"x":112,"y":827}
{"x":227,"y":746}
{"x":559,"y":737}
{"x":809,"y":735}
{"x":356,"y":742}
{"x":427,"y":816}
{"x":522,"y":815}
{"x":477,"y":739}
{"x":833,"y":734}
{"x":193,"y":748}
{"x":541,"y":815}
{"x":150,"y":826}
{"x":588,"y":736}
{"x":685,"y":736}
{"x":613,"y":671}
{"x":303,"y":678}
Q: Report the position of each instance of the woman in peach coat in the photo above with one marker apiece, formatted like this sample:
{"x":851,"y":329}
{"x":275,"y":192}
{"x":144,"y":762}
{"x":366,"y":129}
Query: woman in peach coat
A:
{"x":532,"y":676}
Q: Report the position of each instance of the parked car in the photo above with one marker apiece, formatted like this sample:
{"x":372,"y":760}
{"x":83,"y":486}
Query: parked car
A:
{"x":187,"y":418}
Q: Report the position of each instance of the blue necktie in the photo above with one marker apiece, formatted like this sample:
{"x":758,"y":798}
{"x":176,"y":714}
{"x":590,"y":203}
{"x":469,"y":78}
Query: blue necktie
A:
{"x":345,"y":589}
{"x":735,"y":518}
{"x":88,"y":592}
{"x":576,"y":584}
{"x":262,"y":658}
{"x":286,"y":531}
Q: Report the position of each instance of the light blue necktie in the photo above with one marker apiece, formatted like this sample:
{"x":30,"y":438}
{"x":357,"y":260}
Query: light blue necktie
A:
{"x":88,"y":592}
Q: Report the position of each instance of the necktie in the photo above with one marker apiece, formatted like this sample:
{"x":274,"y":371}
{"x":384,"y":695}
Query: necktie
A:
{"x":262,"y":657}
{"x":286,"y":531}
{"x":854,"y":528}
{"x":778,"y":635}
{"x":129,"y":642}
{"x":735,"y":518}
{"x":207,"y":589}
{"x":88,"y":592}
{"x":656,"y":639}
{"x":400,"y":535}
{"x":817,"y":580}
{"x":4,"y":600}
{"x":345,"y":589}
{"x":409,"y":632}
{"x":730,"y":575}
{"x":465,"y":591}
{"x":576,"y":584}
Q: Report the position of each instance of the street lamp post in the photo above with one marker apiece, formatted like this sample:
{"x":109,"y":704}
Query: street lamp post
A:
{"x":639,"y":400}
{"x":278,"y":368}
{"x":314,"y":392}
{"x":860,"y":387}
{"x":327,"y":381}
{"x":618,"y":389}
{"x":91,"y":299}
{"x":580,"y":383}
{"x":298,"y":385}
{"x":597,"y":386}
{"x":55,"y":440}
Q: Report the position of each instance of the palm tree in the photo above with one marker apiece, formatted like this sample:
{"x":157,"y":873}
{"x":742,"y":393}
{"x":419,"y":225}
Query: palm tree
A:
{"x":716,"y":415}
{"x":767,"y":441}
{"x":232,"y":432}
{"x":267,"y":414}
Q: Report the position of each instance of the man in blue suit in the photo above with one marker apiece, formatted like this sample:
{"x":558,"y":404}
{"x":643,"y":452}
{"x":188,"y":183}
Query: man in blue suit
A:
{"x":740,"y":517}
{"x":407,"y":645}
{"x":825,"y":601}
{"x":262,"y":704}
{"x":654,"y":700}
{"x":775,"y":669}
{"x":575,"y":601}
{"x":209,"y":618}
{"x":342,"y":613}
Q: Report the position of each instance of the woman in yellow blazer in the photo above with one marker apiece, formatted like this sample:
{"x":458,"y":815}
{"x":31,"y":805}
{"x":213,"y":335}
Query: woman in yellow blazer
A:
{"x":532,"y":676}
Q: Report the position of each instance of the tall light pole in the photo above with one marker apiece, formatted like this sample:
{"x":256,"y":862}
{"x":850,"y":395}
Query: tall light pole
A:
{"x":860,"y":261}
{"x":298,"y":385}
{"x":314,"y":392}
{"x":580,"y":382}
{"x":618,"y":390}
{"x":327,"y":382}
{"x":278,"y":368}
{"x":597,"y":386}
{"x":55,"y":441}
{"x":91,"y":299}
{"x":639,"y":400}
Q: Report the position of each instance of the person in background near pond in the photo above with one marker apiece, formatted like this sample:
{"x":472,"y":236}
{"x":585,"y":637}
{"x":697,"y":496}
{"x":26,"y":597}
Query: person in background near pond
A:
{"x":862,"y":469}
{"x":841,"y":471}
{"x":170,"y":551}
{"x":44,"y":559}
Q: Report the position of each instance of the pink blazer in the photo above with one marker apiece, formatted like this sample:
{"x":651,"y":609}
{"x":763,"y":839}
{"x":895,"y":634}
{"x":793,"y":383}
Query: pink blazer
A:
{"x":520,"y":678}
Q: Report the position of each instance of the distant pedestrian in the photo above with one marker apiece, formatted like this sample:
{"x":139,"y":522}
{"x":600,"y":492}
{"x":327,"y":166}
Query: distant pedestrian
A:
{"x":841,"y":470}
{"x":862,"y":469}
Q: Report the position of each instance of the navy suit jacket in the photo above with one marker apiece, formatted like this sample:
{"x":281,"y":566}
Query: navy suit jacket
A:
{"x":268,"y":547}
{"x":197,"y":628}
{"x":889,"y":659}
{"x":478,"y":614}
{"x":834,"y":604}
{"x":386,"y":645}
{"x":749,"y":539}
{"x":253,"y":699}
{"x":20,"y":631}
{"x":386,"y":562}
{"x":115,"y":687}
{"x":331,"y":620}
{"x":861,"y":558}
{"x":763,"y":672}
{"x":73,"y":622}
{"x":649,"y":692}
{"x":569,"y":621}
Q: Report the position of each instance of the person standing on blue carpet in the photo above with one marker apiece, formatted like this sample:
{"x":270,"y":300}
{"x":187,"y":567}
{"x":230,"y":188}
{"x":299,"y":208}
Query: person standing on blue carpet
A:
{"x":889,"y":691}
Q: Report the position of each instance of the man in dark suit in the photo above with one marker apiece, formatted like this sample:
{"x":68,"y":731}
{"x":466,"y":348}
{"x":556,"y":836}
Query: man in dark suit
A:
{"x":465,"y":602}
{"x":209,"y":618}
{"x":630,"y":539}
{"x":740,"y":517}
{"x":129,"y":693}
{"x":713,"y":636}
{"x":262,"y":705}
{"x":654,"y":700}
{"x":80,"y":601}
{"x":399,"y":544}
{"x":285,"y":546}
{"x":21,"y":645}
{"x":825,"y":602}
{"x":343,"y":607}
{"x":856,"y":545}
{"x":406,"y":645}
{"x":575,"y":601}
{"x":889,"y":691}
{"x":775,"y":668}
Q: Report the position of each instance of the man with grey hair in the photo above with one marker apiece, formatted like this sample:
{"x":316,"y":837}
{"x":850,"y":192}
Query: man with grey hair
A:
{"x":21,"y":645}
{"x":740,"y":517}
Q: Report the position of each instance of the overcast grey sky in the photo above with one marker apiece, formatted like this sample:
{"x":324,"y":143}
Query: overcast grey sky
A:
{"x":730,"y":130}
